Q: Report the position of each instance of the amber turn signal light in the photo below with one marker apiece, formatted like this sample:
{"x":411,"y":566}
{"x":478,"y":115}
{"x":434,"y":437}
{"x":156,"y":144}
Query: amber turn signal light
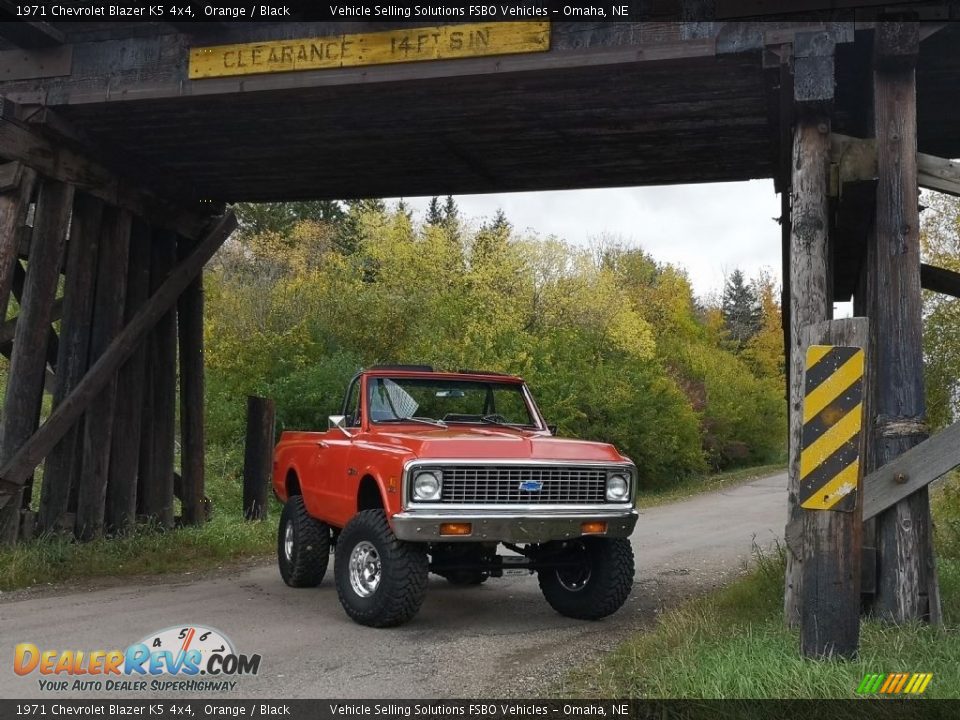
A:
{"x":593,"y":528}
{"x":456,"y":528}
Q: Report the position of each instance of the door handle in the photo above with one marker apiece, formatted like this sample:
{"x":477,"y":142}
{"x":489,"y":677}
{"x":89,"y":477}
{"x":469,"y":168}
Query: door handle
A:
{"x":321,"y":443}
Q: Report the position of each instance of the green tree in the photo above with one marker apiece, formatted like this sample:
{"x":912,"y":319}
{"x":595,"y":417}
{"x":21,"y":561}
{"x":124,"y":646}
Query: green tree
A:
{"x":741,"y":309}
{"x":434,"y":213}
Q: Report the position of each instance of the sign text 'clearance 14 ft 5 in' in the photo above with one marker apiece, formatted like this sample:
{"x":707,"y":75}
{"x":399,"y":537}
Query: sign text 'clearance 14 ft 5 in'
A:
{"x":832,"y":421}
{"x":445,"y":42}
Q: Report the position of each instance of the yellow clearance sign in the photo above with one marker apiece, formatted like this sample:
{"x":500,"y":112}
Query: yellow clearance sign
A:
{"x":445,"y":42}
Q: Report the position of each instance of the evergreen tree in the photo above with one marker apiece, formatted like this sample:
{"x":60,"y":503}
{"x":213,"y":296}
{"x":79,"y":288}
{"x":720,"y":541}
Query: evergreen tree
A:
{"x":434,"y":214}
{"x":742,"y":314}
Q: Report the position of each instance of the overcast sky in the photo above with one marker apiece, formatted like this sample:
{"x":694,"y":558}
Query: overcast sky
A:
{"x":707,"y":229}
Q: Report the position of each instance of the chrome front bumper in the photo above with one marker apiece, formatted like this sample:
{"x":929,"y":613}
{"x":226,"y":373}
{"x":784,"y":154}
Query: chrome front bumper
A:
{"x":500,"y":525}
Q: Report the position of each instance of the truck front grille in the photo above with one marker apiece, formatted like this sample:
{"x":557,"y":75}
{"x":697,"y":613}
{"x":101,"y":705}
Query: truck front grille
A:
{"x":517,"y":485}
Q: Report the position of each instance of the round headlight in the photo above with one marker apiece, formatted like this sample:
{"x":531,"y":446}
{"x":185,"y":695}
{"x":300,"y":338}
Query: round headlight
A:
{"x":618,"y":487}
{"x":426,"y":486}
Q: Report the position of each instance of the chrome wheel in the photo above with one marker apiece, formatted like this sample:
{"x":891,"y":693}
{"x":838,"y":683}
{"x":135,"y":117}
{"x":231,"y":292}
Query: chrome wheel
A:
{"x":364,"y":569}
{"x":288,"y":542}
{"x":574,"y":579}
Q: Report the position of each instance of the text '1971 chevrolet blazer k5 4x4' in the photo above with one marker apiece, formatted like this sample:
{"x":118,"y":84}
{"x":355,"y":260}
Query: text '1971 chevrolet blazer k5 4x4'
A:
{"x":431,"y":472}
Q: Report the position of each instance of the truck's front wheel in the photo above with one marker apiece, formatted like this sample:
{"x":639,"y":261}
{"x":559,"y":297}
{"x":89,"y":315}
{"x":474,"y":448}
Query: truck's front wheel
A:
{"x":380,"y":580}
{"x":303,"y":545}
{"x":595,"y":580}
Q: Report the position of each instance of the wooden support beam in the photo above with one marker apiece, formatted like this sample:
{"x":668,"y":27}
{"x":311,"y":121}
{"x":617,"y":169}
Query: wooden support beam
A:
{"x":809,"y":249}
{"x":30,"y":35}
{"x":156,"y":480}
{"x":10,"y":176}
{"x":21,"y":410}
{"x":192,"y":444}
{"x":258,"y":456}
{"x":121,"y":506}
{"x":19,"y":142}
{"x":14,"y":205}
{"x":915,"y":469}
{"x":62,"y":471}
{"x":940,"y":280}
{"x":31,"y":453}
{"x":8,"y":328}
{"x":106,"y":324}
{"x":907,"y":588}
{"x":830,"y":611}
{"x":938,"y":174}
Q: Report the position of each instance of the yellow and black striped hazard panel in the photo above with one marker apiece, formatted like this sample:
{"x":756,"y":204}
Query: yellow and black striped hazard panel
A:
{"x":832,"y":419}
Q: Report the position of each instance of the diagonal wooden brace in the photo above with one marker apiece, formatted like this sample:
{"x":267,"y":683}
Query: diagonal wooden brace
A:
{"x":31,"y":454}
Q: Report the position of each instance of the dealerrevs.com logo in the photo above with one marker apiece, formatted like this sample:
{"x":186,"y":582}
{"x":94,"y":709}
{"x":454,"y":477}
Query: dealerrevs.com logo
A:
{"x":190,"y":658}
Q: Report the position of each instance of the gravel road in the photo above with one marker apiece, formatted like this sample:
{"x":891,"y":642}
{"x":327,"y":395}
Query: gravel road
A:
{"x":499,"y":639}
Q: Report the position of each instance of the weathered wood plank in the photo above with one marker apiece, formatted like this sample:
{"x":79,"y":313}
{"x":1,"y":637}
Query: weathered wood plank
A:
{"x":830,"y":610}
{"x":938,"y":174}
{"x":121,"y":505}
{"x":62,"y":471}
{"x":21,"y":410}
{"x":157,"y":478}
{"x":258,"y":456}
{"x":906,"y":582}
{"x":809,"y":304}
{"x":914,"y":469}
{"x":107,"y":322}
{"x":192,"y":444}
{"x":29,"y":455}
{"x":13,"y":215}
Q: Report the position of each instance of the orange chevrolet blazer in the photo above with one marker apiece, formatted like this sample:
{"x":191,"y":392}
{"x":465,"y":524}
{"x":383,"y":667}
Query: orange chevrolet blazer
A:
{"x":428,"y":471}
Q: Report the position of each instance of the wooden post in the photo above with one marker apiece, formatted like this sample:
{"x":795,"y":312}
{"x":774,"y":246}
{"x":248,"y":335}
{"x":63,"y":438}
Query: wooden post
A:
{"x":157,"y":477}
{"x":190,"y":328}
{"x":906,"y":582}
{"x":106,"y":325}
{"x":14,"y":204}
{"x":830,"y":609}
{"x":28,"y":361}
{"x":121,"y":505}
{"x":258,"y":457}
{"x":62,"y":471}
{"x":31,"y":453}
{"x":809,"y":301}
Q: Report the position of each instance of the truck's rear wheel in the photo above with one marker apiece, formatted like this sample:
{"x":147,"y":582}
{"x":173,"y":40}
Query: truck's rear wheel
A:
{"x":381,"y":581}
{"x":597,"y":582}
{"x":303,"y":545}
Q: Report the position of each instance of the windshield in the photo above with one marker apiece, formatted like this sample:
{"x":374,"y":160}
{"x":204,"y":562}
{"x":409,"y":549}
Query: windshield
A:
{"x":441,"y":402}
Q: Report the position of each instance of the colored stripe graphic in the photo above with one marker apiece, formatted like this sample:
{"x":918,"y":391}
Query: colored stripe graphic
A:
{"x":894,"y":683}
{"x":832,"y":422}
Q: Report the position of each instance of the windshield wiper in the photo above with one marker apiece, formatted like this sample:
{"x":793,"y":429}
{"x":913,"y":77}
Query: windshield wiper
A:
{"x":492,"y":420}
{"x":414,"y":418}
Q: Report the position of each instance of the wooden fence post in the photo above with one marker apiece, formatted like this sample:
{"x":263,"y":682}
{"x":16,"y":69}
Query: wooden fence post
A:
{"x":906,"y":581}
{"x":835,"y":385}
{"x":258,"y":456}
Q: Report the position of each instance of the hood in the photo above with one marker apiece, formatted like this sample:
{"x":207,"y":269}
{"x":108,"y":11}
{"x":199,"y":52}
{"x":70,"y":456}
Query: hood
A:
{"x":477,"y":443}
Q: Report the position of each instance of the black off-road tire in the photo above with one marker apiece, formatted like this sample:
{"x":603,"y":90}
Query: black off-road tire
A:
{"x":605,"y":586}
{"x":403,"y":573}
{"x":307,"y":563}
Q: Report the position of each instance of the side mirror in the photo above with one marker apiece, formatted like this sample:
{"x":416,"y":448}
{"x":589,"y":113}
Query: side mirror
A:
{"x":338,"y":422}
{"x":552,"y":429}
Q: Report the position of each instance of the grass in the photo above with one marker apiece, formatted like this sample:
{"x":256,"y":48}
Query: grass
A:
{"x":226,"y":538}
{"x":705,"y":483}
{"x":733,"y":643}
